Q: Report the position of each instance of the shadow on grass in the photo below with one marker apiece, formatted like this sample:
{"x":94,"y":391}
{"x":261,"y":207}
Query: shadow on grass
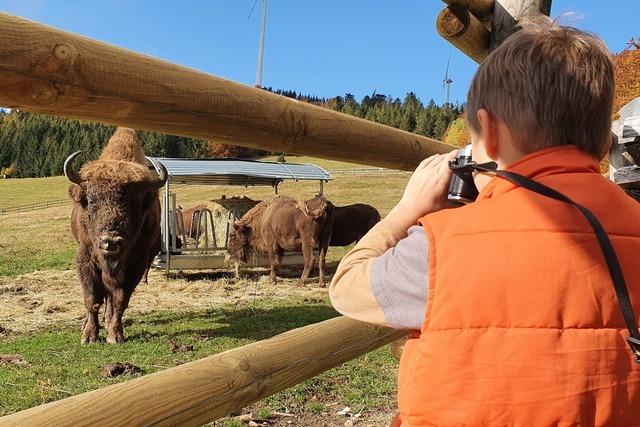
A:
{"x":246,"y":323}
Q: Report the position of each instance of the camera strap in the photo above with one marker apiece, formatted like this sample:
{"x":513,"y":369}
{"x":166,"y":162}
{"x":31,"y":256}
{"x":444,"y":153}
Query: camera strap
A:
{"x":615,"y":271}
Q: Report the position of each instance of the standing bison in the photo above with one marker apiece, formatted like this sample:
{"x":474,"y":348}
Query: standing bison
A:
{"x":352,"y":222}
{"x":116,"y":222}
{"x":284,"y":224}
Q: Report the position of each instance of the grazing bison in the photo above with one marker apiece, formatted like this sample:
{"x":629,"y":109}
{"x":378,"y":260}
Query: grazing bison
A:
{"x":284,"y":224}
{"x":352,"y":222}
{"x":116,"y":222}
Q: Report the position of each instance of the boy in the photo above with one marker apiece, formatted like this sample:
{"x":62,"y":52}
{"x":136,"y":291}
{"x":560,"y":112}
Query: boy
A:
{"x":514,"y":315}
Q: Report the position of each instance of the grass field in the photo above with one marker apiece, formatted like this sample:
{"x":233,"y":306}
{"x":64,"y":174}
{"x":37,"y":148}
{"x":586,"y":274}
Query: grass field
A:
{"x":22,"y":192}
{"x":41,"y":310}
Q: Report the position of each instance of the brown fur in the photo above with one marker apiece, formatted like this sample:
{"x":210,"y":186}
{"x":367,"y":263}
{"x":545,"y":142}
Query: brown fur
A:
{"x":189,"y":220}
{"x":352,"y":222}
{"x":123,"y":145}
{"x":114,"y":200}
{"x":282,"y":224}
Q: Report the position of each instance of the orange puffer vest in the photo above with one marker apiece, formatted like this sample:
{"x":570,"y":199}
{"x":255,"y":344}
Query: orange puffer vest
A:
{"x":523,"y":326}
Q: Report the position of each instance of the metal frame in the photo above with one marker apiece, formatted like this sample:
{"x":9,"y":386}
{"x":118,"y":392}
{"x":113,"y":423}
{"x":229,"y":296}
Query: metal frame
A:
{"x":211,"y":255}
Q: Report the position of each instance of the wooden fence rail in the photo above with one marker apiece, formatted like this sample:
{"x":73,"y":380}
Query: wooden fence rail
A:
{"x":49,"y":71}
{"x":200,"y":391}
{"x":33,"y":206}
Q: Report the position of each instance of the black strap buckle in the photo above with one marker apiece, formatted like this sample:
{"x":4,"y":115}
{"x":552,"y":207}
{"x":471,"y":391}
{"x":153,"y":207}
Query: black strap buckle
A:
{"x":634,"y":343}
{"x":472,"y":166}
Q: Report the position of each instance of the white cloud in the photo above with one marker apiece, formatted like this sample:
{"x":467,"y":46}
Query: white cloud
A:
{"x":569,"y":17}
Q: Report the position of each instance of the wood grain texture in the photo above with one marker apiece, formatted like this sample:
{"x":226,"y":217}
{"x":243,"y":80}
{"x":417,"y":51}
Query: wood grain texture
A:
{"x":49,"y":71}
{"x":463,"y":30}
{"x":509,"y":14}
{"x":198,"y":392}
{"x":481,"y":9}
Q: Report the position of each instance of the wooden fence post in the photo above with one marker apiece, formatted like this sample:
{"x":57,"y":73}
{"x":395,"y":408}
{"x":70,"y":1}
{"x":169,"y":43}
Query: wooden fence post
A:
{"x":462,"y":29}
{"x":477,"y":27}
{"x":509,"y":14}
{"x":481,"y":9}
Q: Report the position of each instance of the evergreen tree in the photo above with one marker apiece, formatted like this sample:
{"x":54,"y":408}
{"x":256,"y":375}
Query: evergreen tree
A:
{"x":38,"y":145}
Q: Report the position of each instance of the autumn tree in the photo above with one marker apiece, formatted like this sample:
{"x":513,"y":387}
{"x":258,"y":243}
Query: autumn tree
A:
{"x":457,"y":133}
{"x":627,"y":76}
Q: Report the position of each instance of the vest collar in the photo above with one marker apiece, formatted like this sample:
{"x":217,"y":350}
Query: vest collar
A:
{"x":542,"y":163}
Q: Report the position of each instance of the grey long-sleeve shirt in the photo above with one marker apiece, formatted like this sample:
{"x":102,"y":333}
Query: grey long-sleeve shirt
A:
{"x":384,"y":278}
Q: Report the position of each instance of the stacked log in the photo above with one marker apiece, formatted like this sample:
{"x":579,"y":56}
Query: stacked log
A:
{"x":477,"y":27}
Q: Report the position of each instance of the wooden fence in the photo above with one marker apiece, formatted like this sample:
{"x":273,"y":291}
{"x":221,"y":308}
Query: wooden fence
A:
{"x":33,"y":206}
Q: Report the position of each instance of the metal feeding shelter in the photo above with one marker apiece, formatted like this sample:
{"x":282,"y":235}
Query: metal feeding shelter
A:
{"x":204,"y":245}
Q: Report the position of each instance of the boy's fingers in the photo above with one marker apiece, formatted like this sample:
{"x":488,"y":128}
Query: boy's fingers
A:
{"x":427,"y":161}
{"x":438,"y":162}
{"x":443,"y":170}
{"x":435,"y":164}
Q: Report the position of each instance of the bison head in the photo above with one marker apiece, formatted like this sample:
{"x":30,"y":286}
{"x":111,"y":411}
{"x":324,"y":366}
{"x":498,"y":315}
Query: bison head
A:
{"x":111,"y":201}
{"x":238,"y":244}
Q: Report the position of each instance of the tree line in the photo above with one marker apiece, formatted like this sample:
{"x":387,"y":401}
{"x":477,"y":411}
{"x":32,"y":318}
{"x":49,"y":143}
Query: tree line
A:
{"x":36,"y":145}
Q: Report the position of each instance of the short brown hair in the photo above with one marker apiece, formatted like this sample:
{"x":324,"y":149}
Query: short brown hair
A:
{"x":551,"y":85}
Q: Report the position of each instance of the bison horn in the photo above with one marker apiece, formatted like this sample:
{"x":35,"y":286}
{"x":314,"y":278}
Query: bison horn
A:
{"x":163,"y":175}
{"x":71,"y":174}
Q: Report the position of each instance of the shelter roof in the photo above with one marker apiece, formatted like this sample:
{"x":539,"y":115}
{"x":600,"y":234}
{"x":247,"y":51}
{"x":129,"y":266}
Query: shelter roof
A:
{"x":238,"y":172}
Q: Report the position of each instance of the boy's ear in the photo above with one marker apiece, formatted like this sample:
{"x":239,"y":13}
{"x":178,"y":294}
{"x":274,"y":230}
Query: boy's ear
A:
{"x":489,"y":132}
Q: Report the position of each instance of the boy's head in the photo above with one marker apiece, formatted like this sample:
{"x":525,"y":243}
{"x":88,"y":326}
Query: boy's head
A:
{"x":545,"y":86}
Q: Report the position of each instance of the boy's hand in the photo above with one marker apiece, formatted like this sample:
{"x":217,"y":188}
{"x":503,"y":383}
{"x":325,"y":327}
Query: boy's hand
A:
{"x":426,"y":191}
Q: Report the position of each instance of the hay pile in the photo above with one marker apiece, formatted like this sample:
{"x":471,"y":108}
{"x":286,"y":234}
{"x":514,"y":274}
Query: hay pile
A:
{"x":44,"y":299}
{"x":225,"y":209}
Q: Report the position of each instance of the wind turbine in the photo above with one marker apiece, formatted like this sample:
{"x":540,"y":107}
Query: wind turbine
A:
{"x":263,"y":28}
{"x":446,"y":82}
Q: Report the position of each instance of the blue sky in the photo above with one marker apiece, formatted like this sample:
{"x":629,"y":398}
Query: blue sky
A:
{"x":326,"y":48}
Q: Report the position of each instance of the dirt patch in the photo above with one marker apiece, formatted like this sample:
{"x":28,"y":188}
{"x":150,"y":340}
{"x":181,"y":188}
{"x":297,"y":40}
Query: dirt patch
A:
{"x":13,"y":360}
{"x":179,"y":348}
{"x":45,"y":299}
{"x":298,"y":416}
{"x":117,"y":369}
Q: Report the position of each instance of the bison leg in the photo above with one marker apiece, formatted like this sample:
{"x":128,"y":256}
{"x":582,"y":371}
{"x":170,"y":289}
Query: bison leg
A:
{"x":274,"y":261}
{"x":91,"y":324}
{"x":93,"y":292}
{"x":321,"y":261}
{"x":108,"y":311}
{"x":307,"y":253}
{"x":115,"y":330}
{"x":236,"y":270}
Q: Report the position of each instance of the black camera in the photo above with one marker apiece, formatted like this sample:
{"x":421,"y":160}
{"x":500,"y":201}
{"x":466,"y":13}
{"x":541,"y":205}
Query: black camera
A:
{"x":462,"y":188}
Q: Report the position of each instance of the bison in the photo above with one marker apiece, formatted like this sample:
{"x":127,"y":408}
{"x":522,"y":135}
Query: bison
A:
{"x":352,"y":222}
{"x":284,"y":224}
{"x":190,"y":218}
{"x":116,"y":222}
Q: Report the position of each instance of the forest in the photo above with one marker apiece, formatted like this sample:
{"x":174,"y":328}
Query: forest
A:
{"x":36,"y":145}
